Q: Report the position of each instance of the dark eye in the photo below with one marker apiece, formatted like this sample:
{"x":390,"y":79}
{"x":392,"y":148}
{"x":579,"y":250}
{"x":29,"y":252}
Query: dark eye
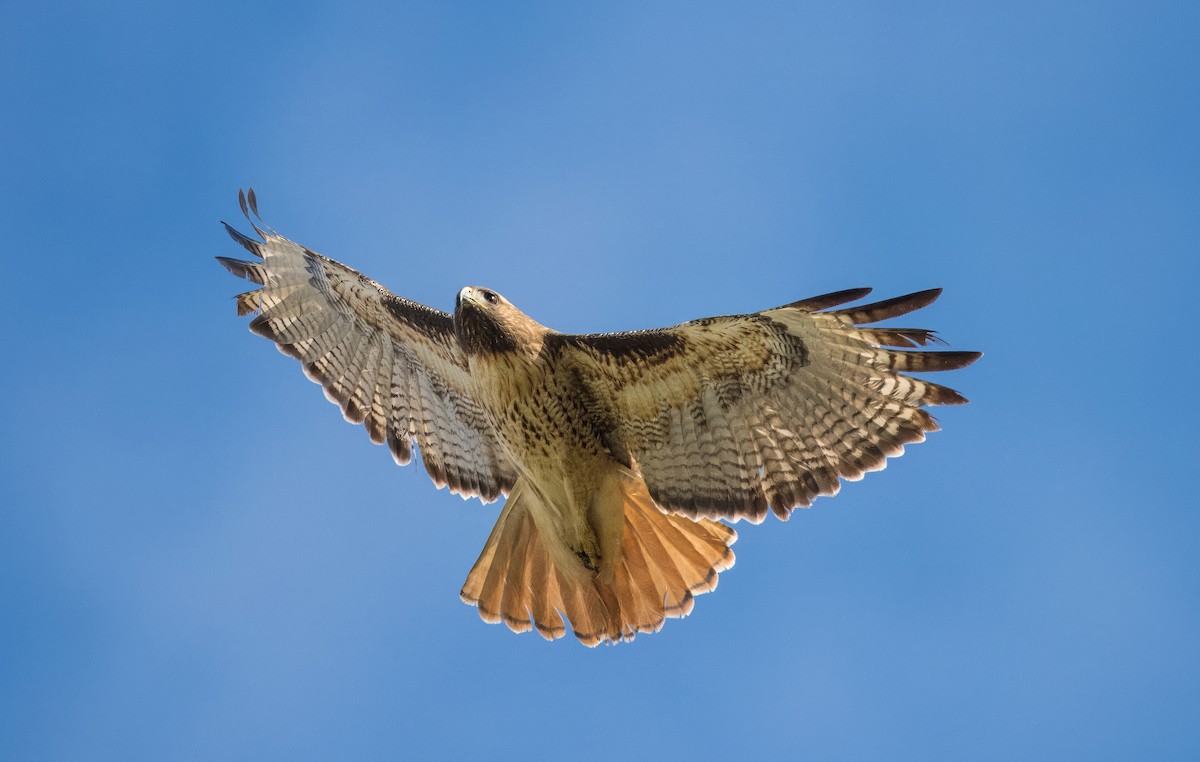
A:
{"x":490,"y":297}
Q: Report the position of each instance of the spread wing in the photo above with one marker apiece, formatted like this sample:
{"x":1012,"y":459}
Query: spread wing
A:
{"x":389,"y":363}
{"x":729,"y":416}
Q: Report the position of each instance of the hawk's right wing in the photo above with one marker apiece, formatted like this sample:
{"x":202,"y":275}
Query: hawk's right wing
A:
{"x":727,"y":417}
{"x":389,"y":363}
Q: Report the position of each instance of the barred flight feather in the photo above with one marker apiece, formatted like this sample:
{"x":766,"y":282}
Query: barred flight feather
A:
{"x":843,"y":388}
{"x":825,"y":301}
{"x":889,"y":308}
{"x":333,"y":320}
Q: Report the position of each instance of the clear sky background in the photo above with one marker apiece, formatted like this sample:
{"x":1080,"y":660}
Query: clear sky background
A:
{"x":200,"y":559}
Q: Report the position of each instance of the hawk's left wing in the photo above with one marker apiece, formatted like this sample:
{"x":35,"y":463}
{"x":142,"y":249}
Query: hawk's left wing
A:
{"x":729,"y":416}
{"x":389,"y":363}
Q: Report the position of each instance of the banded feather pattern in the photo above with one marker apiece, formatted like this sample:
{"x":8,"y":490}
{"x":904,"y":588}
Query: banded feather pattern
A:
{"x":387,"y":362}
{"x":730,"y":417}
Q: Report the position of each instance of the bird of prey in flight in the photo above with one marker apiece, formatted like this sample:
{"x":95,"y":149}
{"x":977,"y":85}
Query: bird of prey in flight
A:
{"x":620,"y":453}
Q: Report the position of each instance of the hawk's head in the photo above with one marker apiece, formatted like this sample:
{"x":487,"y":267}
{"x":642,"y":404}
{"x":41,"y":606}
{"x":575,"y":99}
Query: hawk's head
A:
{"x":484,"y":321}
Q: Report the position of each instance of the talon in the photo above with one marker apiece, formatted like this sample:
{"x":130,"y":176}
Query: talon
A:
{"x":587,"y":560}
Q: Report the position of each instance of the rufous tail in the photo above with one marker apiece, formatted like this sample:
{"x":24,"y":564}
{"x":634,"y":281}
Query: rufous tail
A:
{"x":665,"y":561}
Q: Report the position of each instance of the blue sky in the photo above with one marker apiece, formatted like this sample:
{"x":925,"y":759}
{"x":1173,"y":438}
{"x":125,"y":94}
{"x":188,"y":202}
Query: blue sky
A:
{"x":199,"y":559}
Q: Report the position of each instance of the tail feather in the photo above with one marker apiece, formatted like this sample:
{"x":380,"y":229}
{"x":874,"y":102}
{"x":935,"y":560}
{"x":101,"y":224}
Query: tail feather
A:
{"x":677,"y":596}
{"x":686,"y":549}
{"x":590,"y":620}
{"x":637,"y":588}
{"x":491,"y":598}
{"x":545,"y":608}
{"x":515,"y":604}
{"x":665,"y":560}
{"x":636,"y":605}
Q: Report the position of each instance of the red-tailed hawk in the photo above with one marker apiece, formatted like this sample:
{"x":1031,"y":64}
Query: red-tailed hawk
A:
{"x":619,"y":452}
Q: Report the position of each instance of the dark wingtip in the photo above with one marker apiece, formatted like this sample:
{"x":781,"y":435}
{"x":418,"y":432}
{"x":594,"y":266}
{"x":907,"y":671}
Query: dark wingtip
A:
{"x":247,"y":243}
{"x":918,"y":299}
{"x":251,"y":271}
{"x":903,"y":337}
{"x":249,"y":203}
{"x":928,"y":362}
{"x":936,"y":394}
{"x":254,"y":204}
{"x":825,"y":301}
{"x":235,"y":266}
{"x":951,"y":360}
{"x":932,"y":337}
{"x":890,"y":308}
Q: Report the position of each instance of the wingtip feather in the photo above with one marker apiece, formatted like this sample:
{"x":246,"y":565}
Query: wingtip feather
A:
{"x":249,"y":203}
{"x":825,"y":301}
{"x":253,"y":203}
{"x":246,"y":242}
{"x":251,"y":271}
{"x":890,"y":308}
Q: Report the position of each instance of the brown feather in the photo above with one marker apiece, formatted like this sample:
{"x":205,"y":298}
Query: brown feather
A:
{"x":247,"y":243}
{"x":545,"y":599}
{"x":667,"y":582}
{"x":889,"y":308}
{"x":251,"y":271}
{"x":930,"y":362}
{"x":387,"y":362}
{"x":644,"y":601}
{"x":664,"y":562}
{"x":515,"y":606}
{"x":825,"y":301}
{"x":248,"y":302}
{"x":900,"y":337}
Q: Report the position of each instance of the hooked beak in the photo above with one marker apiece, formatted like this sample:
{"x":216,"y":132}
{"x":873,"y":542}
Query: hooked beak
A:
{"x":467,"y":294}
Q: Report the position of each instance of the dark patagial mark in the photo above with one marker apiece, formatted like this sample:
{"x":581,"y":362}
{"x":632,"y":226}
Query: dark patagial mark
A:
{"x":639,"y":345}
{"x":424,"y":319}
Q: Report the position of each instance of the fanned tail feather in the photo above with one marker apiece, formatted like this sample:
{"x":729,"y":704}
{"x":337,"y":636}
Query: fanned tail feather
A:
{"x":665,"y":561}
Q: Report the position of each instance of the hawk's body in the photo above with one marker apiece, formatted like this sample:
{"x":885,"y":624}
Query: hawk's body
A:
{"x":617,"y":451}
